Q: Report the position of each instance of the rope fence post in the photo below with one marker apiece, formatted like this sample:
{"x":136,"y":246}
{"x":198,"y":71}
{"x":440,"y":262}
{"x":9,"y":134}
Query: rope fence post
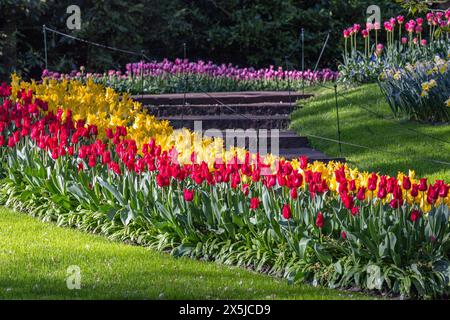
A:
{"x":186,"y":79}
{"x":303,"y":60}
{"x":322,"y":51}
{"x":286,"y":72}
{"x":337,"y":118}
{"x":142,"y":74}
{"x":44,"y":31}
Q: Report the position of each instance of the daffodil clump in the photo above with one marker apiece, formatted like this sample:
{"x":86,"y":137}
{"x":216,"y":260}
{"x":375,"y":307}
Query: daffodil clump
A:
{"x":420,"y":91}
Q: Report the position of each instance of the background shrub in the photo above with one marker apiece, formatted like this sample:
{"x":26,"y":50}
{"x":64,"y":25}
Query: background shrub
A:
{"x":256,"y":33}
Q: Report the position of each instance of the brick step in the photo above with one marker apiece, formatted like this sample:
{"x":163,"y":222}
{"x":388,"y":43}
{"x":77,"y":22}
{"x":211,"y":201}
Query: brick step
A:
{"x":266,"y":108}
{"x":259,"y":138}
{"x":242,"y":97}
{"x":229,"y":121}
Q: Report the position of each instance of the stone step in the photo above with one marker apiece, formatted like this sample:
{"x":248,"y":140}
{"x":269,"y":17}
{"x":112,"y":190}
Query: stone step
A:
{"x":243,"y":97}
{"x":259,"y":138}
{"x":228,"y":121}
{"x":266,"y":108}
{"x":312,"y":154}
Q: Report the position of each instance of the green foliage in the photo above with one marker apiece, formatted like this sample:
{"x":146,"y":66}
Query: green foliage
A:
{"x":421,"y":6}
{"x":357,"y":69}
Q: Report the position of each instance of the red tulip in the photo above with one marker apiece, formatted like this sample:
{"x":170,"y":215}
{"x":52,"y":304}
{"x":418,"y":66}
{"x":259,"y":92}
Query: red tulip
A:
{"x":406,"y":183}
{"x":443,"y":192}
{"x":372,"y":182}
{"x":245,"y":189}
{"x":293,"y":193}
{"x":415,"y":215}
{"x":352,"y":185}
{"x":355,"y":211}
{"x":254,"y":203}
{"x":188,"y":195}
{"x":11,"y":142}
{"x":361,"y":195}
{"x":347,"y":200}
{"x":287,"y":214}
{"x":423,"y":184}
{"x":344,"y":235}
{"x":320,"y":221}
{"x":382,"y":193}
{"x":395,"y":203}
{"x":162,"y":180}
{"x":109,"y":133}
{"x":303,"y":162}
{"x":415,"y":190}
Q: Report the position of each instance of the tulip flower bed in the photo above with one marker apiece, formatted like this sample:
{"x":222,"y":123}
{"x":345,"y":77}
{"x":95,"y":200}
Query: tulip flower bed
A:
{"x":105,"y":109}
{"x":420,"y":91}
{"x":325,"y":224}
{"x":180,"y":75}
{"x":403,"y":42}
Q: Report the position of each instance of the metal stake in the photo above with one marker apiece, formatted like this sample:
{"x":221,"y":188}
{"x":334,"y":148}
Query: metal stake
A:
{"x":185,"y":86}
{"x":44,"y":30}
{"x":337,"y":118}
{"x":303,"y":60}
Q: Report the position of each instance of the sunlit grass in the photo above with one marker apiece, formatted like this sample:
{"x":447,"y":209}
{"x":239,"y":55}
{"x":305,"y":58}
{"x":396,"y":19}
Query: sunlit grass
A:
{"x":34,"y":257}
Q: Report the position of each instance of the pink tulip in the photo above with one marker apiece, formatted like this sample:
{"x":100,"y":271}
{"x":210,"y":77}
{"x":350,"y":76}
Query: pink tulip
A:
{"x":388,"y":26}
{"x":400,"y":19}
{"x":423,"y":42}
{"x":404,"y":40}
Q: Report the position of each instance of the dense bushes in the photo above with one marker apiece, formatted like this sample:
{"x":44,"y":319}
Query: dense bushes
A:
{"x":258,"y":33}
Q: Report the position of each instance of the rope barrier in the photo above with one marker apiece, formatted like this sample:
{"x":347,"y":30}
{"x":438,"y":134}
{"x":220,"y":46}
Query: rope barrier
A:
{"x":93,"y":43}
{"x":140,"y":54}
{"x":372,"y":148}
{"x":381,"y":117}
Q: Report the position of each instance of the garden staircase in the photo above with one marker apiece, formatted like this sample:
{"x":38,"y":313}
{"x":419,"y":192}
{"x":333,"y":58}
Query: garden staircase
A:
{"x":240,"y":117}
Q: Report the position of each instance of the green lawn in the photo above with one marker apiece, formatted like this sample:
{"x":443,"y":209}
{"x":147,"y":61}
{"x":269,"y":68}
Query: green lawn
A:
{"x":34,"y":257}
{"x":318,"y":117}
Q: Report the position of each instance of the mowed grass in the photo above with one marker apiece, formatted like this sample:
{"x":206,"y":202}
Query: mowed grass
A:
{"x":397,"y":148}
{"x":35,"y":256}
